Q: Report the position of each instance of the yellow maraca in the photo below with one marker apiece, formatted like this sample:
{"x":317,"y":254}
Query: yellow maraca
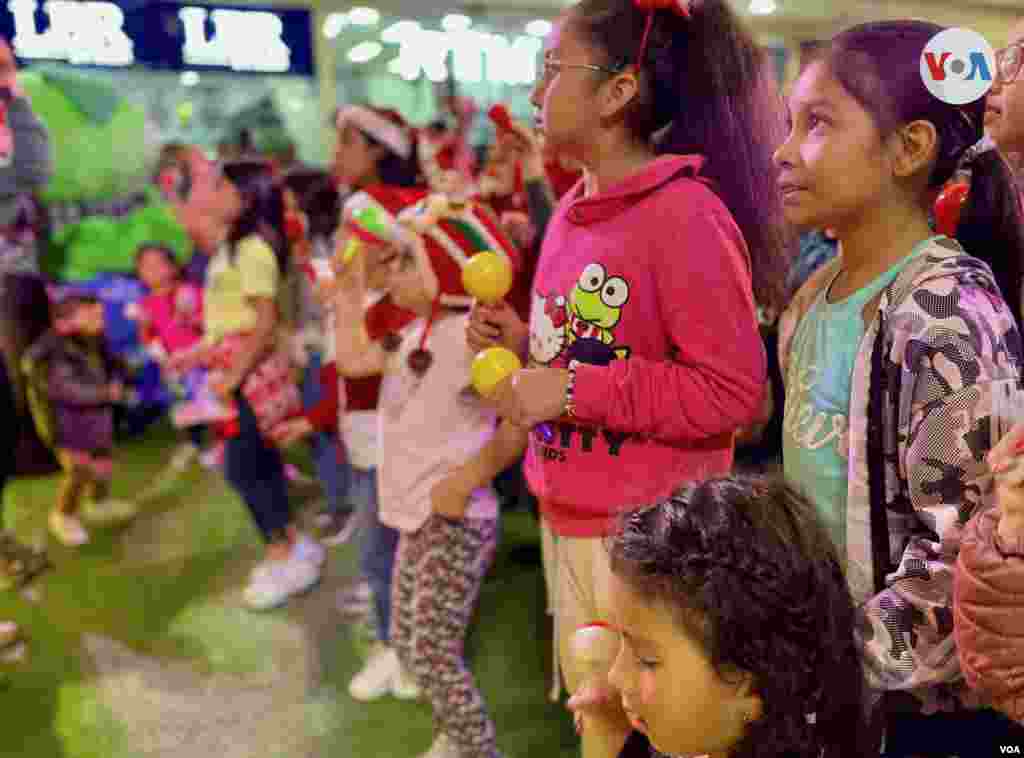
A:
{"x":491,"y":367}
{"x":488,"y":277}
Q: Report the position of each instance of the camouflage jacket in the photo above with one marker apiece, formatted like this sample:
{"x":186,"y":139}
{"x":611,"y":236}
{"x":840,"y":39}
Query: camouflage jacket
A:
{"x":940,"y":339}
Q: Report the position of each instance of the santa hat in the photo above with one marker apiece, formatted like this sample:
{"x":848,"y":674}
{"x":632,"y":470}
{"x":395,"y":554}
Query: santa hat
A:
{"x":448,"y":234}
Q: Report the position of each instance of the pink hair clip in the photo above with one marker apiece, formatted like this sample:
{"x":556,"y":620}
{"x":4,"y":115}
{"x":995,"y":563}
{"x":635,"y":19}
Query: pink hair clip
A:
{"x":679,"y":7}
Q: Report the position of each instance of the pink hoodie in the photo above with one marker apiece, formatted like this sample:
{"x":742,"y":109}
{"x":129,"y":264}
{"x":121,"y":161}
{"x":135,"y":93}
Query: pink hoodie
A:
{"x":648,"y":283}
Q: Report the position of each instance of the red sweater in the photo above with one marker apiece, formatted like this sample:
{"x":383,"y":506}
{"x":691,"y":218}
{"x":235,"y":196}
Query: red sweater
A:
{"x":648,"y":286}
{"x":361,"y":394}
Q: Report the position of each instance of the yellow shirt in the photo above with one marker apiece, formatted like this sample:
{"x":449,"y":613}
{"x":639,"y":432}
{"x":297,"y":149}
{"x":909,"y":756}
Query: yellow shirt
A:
{"x":253,"y":273}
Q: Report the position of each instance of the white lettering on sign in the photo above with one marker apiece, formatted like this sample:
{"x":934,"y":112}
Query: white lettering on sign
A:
{"x":242,"y":40}
{"x":476,"y":55}
{"x":82,"y":33}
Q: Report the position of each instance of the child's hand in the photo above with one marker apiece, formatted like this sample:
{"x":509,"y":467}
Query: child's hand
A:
{"x":450,"y":496}
{"x":291,"y":431}
{"x":115,"y":391}
{"x":497,"y":324}
{"x":597,"y":708}
{"x":349,"y":276}
{"x":531,"y":396}
{"x":1007,"y":464}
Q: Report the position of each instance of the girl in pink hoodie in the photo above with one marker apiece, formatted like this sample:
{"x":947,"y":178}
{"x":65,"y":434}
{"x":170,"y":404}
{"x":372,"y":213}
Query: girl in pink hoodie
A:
{"x":643,"y":345}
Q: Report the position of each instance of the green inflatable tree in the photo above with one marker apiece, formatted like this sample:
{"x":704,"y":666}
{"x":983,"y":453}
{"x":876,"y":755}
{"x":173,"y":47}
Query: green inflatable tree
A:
{"x":101,"y":203}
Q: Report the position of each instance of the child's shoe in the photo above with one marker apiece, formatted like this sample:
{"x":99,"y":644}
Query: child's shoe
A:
{"x":442,"y":748}
{"x":9,"y":634}
{"x":376,"y":677}
{"x":184,"y":456}
{"x":308,"y":549}
{"x":404,"y":686}
{"x":67,"y":529}
{"x":214,"y":457}
{"x":276,"y":581}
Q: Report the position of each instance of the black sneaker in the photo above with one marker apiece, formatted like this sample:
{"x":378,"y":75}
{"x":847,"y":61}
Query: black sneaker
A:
{"x":337,"y":528}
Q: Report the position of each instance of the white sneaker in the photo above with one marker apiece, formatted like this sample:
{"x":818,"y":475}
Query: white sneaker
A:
{"x":442,"y":748}
{"x":376,"y":677}
{"x":403,"y":685}
{"x":9,"y":634}
{"x":67,"y":529}
{"x":280,"y":580}
{"x":308,"y":549}
{"x":184,"y":456}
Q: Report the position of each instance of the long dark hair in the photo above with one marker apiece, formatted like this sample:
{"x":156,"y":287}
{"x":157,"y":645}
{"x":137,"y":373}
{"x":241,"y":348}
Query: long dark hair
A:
{"x":753,"y":575}
{"x":318,"y":197}
{"x":879,"y":64}
{"x":262,"y":206}
{"x":707,"y":88}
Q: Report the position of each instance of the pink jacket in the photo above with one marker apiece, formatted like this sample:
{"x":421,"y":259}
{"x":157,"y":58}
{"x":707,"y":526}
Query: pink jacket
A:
{"x":988,"y":613}
{"x":647,"y":285}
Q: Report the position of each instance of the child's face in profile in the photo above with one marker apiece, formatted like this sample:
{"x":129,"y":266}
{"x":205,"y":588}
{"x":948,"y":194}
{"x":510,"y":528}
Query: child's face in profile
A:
{"x":669,"y":688}
{"x":833,"y":166}
{"x":406,"y":282}
{"x":155,"y":271}
{"x":90,"y":320}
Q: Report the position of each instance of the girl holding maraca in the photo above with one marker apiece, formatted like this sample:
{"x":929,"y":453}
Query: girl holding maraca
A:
{"x":644,"y":350}
{"x":439,"y":452}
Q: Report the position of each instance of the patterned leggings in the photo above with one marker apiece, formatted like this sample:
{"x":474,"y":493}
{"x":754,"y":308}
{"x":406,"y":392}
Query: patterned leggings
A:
{"x":438,"y":573}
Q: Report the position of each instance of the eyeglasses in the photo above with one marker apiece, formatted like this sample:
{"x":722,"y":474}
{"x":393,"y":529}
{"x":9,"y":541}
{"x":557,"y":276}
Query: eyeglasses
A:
{"x":1008,"y":62}
{"x":553,"y":67}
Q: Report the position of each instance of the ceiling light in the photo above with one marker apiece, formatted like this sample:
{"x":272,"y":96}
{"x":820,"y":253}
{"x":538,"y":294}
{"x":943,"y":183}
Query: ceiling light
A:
{"x":456,"y":22}
{"x":365,"y":52}
{"x":364,"y":16}
{"x":539,"y":28}
{"x":763,"y":7}
{"x":334,"y":23}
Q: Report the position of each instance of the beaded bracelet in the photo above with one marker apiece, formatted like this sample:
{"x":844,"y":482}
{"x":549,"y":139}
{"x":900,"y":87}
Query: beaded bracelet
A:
{"x":570,"y":390}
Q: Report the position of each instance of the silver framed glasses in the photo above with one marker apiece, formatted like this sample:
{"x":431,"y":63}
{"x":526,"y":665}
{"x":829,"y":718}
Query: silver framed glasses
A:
{"x":1008,"y":62}
{"x":552,"y":67}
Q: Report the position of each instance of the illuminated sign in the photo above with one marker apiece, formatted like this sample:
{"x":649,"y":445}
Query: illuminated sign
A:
{"x":243,"y":40}
{"x":476,"y":56}
{"x":84,"y":33}
{"x":160,"y":34}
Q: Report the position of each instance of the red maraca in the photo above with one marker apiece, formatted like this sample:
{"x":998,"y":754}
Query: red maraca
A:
{"x":500,"y":117}
{"x":294,"y":227}
{"x":949,"y":206}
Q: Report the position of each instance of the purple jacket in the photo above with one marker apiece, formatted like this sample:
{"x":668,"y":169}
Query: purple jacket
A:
{"x":79,"y":373}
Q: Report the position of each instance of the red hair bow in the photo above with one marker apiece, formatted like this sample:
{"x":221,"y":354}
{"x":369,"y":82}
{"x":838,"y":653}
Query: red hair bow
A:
{"x":680,"y":7}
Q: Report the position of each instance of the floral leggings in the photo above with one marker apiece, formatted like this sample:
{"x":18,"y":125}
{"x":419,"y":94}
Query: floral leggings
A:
{"x":438,"y":573}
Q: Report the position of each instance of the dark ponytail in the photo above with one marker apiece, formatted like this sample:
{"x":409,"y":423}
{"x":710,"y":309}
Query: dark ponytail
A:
{"x":707,"y":89}
{"x":990,"y":225}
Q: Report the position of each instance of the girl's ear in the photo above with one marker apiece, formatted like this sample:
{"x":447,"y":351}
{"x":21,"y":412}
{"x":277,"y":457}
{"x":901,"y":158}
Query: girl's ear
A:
{"x":619,"y":93}
{"x":914,"y":148}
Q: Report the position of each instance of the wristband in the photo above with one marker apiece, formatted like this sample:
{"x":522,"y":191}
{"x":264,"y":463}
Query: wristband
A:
{"x":570,"y":390}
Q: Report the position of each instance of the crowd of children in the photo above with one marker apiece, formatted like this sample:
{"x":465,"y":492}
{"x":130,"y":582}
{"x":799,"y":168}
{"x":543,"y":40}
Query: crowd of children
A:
{"x":865,"y":600}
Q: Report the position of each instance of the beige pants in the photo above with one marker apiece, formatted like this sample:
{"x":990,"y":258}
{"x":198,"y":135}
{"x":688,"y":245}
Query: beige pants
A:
{"x":576,"y":572}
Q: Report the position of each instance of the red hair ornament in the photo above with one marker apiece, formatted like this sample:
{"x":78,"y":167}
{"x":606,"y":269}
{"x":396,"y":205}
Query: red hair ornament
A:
{"x":679,"y":7}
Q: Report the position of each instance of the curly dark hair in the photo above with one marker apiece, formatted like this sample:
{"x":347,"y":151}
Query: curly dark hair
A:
{"x":755,"y":577}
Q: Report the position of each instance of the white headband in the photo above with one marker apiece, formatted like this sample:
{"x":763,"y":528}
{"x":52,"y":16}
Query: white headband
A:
{"x":381,"y":129}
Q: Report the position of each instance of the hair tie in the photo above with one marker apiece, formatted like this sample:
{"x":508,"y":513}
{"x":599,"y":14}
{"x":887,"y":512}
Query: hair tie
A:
{"x":679,"y":7}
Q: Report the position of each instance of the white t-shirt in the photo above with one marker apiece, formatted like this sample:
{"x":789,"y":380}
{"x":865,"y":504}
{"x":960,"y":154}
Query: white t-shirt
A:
{"x":430,"y":426}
